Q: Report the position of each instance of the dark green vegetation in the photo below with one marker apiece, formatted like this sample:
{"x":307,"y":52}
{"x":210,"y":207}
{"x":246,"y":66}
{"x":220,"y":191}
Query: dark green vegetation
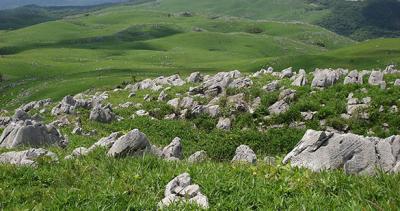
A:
{"x":363,"y":20}
{"x":7,"y":4}
{"x":99,"y":182}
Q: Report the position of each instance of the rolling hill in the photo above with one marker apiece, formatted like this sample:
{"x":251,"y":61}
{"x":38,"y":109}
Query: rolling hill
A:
{"x":108,"y":46}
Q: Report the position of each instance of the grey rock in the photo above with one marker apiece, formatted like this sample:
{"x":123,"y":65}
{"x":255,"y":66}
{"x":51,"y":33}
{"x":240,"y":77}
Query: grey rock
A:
{"x":106,"y":142}
{"x":134,"y":143}
{"x":173,"y":150}
{"x":287,"y":73}
{"x":31,"y":133}
{"x":241,"y":83}
{"x":245,"y":154}
{"x":354,"y":154}
{"x":300,"y":79}
{"x":353,"y":78}
{"x":237,"y":102}
{"x":198,"y":157}
{"x":26,"y":157}
{"x":181,"y":189}
{"x":21,"y":115}
{"x":224,"y":123}
{"x":273,"y":86}
{"x":376,"y":78}
{"x":278,"y":107}
{"x":102,"y":114}
{"x":325,"y":77}
{"x":195,"y":77}
{"x":397,"y":82}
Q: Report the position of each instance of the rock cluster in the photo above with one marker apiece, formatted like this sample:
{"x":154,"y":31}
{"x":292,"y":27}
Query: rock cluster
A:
{"x":319,"y":150}
{"x":102,"y":114}
{"x":26,"y":157}
{"x":156,"y":84}
{"x":181,"y":190}
{"x":31,"y":133}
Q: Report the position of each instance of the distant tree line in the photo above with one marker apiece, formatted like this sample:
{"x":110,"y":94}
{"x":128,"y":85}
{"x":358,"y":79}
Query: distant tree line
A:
{"x":362,"y":20}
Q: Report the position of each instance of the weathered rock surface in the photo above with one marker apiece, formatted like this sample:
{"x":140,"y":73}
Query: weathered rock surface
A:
{"x":102,"y":114}
{"x":31,"y":133}
{"x":376,"y":78}
{"x":174,"y":150}
{"x":35,"y":105}
{"x":68,"y":105}
{"x":273,"y":86}
{"x":287,"y":73}
{"x":215,"y":85}
{"x":355,"y":154}
{"x":181,"y":190}
{"x":26,"y":157}
{"x":353,"y":78}
{"x":195,"y":77}
{"x":300,"y":79}
{"x":326,"y":77}
{"x":224,"y":123}
{"x":198,"y":157}
{"x":134,"y":143}
{"x":245,"y":154}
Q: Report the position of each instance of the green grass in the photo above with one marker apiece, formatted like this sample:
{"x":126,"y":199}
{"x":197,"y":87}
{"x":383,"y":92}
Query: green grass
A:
{"x":99,"y":182}
{"x":284,"y":10}
{"x":109,"y":46}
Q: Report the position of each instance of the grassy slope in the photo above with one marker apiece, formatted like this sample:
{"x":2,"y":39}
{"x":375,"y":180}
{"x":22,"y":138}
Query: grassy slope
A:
{"x":286,"y":10}
{"x":97,"y":182}
{"x":109,"y":46}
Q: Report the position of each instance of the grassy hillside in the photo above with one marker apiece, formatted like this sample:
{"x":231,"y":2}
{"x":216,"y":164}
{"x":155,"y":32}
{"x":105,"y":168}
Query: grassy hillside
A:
{"x":100,"y":182}
{"x":284,"y":10}
{"x":112,"y":45}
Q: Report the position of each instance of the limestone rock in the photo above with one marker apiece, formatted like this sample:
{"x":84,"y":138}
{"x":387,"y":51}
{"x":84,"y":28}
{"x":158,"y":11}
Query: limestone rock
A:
{"x":173,"y":150}
{"x":102,"y":114}
{"x":31,"y":133}
{"x":198,"y":157}
{"x":244,"y":154}
{"x":134,"y":143}
{"x":181,"y":190}
{"x":355,"y":154}
{"x":376,"y":78}
{"x":300,"y":79}
{"x":26,"y":157}
{"x":195,"y":77}
{"x":224,"y":123}
{"x":353,"y":78}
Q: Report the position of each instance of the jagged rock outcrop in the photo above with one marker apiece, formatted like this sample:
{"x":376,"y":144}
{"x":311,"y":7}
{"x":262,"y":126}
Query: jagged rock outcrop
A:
{"x":287,"y":73}
{"x":31,"y":133}
{"x":326,"y":77}
{"x":156,"y":84}
{"x":356,"y":106}
{"x":319,"y":150}
{"x":35,"y":105}
{"x":354,"y":77}
{"x":21,"y":115}
{"x":240,"y":83}
{"x":181,"y":190}
{"x":195,"y":77}
{"x":4,"y":121}
{"x":282,"y":105}
{"x":173,"y":151}
{"x":68,"y":105}
{"x":215,"y":85}
{"x":300,"y":79}
{"x":102,"y":114}
{"x":245,"y":154}
{"x":237,"y":102}
{"x":376,"y":78}
{"x":26,"y":157}
{"x":134,"y":143}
